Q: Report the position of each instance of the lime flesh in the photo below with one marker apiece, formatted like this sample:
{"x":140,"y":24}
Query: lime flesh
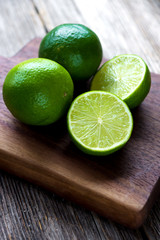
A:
{"x":127,"y":76}
{"x":99,"y":122}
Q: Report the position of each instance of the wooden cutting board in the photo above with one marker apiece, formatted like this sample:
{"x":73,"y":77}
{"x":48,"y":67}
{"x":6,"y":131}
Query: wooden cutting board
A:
{"x":122,"y":186}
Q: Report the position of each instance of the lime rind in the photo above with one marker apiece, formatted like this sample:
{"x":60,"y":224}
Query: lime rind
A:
{"x":90,"y":127}
{"x":140,"y":93}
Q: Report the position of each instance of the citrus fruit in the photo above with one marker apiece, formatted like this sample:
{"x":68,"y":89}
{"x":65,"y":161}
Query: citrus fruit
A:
{"x":99,"y":122}
{"x":38,"y":91}
{"x":76,"y":47}
{"x":127,"y":76}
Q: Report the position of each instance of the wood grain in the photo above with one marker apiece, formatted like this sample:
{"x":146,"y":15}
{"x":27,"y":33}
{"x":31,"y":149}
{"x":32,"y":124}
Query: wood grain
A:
{"x":28,"y":212}
{"x":121,"y":186}
{"x":152,"y":226}
{"x":19,"y":23}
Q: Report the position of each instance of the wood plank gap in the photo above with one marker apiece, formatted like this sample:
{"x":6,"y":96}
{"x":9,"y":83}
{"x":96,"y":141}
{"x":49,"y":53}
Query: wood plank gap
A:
{"x":77,"y":10}
{"x":40,"y":17}
{"x":96,"y":224}
{"x":12,"y":187}
{"x":143,"y":233}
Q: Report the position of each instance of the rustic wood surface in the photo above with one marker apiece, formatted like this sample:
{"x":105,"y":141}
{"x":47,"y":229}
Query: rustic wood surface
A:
{"x":28,"y":212}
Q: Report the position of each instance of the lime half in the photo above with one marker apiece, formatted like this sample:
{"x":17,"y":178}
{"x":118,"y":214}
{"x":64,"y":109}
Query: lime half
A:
{"x":99,"y":122}
{"x":127,"y":76}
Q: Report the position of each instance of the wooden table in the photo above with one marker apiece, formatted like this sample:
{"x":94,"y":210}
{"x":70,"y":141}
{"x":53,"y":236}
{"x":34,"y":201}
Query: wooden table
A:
{"x":26,"y":211}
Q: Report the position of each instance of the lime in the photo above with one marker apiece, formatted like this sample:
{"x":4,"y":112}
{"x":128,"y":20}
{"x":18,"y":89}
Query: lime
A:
{"x":127,"y":76}
{"x":38,"y":91}
{"x":76,"y":47}
{"x":99,"y":122}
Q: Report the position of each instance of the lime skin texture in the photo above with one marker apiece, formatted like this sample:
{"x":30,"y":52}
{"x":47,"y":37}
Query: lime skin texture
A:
{"x":38,"y":91}
{"x":76,"y":47}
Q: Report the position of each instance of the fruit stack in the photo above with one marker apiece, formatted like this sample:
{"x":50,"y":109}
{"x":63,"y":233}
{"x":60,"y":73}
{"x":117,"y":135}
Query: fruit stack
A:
{"x":40,"y":91}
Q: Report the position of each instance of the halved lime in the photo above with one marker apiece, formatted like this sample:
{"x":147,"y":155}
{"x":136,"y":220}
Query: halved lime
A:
{"x":99,"y":122}
{"x":127,"y":76}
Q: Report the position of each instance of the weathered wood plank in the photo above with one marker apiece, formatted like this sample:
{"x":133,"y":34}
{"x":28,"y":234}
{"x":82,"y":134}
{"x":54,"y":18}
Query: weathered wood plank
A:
{"x":31,"y":213}
{"x":19,"y":23}
{"x":114,"y":231}
{"x":152,"y":223}
{"x":123,"y":26}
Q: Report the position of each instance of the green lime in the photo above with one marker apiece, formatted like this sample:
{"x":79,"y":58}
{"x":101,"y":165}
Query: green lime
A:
{"x":76,"y":47}
{"x":99,"y":122}
{"x":38,"y":91}
{"x":127,"y":76}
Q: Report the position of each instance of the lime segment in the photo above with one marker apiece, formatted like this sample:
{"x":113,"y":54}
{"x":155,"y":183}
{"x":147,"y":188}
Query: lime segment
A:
{"x":127,"y":76}
{"x":99,"y":122}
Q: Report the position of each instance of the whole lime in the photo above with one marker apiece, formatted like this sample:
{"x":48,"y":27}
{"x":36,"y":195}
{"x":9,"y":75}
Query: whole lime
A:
{"x":76,"y":47}
{"x":38,"y":91}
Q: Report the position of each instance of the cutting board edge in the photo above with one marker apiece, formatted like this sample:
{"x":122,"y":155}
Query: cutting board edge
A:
{"x":25,"y":49}
{"x":134,"y":219}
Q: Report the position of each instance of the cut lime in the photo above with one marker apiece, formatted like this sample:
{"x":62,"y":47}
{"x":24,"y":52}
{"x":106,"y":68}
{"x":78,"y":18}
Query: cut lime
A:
{"x":99,"y":122}
{"x":127,"y":76}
